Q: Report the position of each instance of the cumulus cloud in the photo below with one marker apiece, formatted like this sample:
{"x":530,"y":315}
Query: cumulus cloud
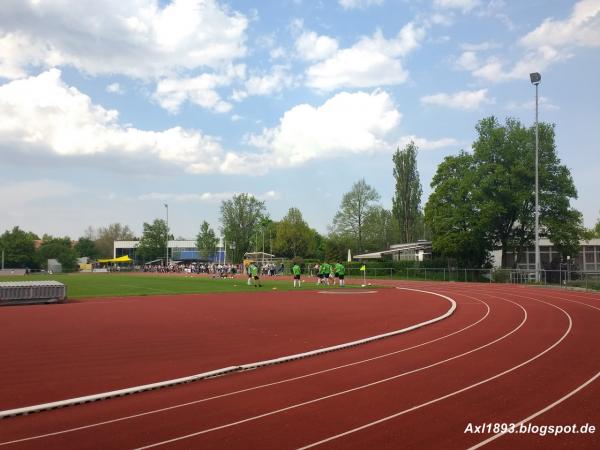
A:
{"x":265,"y":84}
{"x":348,"y":123}
{"x":464,"y":100}
{"x":551,"y":42}
{"x":373,"y":61}
{"x":427,"y":144}
{"x":312,"y":47}
{"x":201,"y":90}
{"x":45,"y":116}
{"x":138,"y":38}
{"x":582,"y":28}
{"x":115,"y":88}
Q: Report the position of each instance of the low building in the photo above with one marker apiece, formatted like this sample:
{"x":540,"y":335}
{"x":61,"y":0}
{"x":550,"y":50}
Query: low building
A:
{"x":587,"y":260}
{"x":179,"y":250}
{"x":413,"y":251}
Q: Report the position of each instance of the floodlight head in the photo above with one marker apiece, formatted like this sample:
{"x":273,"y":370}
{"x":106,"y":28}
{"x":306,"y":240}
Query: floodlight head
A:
{"x":535,"y":78}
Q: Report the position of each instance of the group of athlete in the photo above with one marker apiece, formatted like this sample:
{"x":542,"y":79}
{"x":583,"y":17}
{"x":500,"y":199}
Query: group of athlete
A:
{"x":325,"y":273}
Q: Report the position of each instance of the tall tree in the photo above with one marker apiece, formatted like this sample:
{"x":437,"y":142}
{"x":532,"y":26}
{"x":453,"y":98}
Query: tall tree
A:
{"x":452,"y":215}
{"x":86,"y":247}
{"x":19,"y":249}
{"x":206,"y":240}
{"x":354,"y":207}
{"x":497,"y":182}
{"x":154,"y":240}
{"x":294,"y":236}
{"x":406,"y":203}
{"x":106,"y":236}
{"x":240,"y":217}
{"x":379,"y":228}
{"x":60,"y":249}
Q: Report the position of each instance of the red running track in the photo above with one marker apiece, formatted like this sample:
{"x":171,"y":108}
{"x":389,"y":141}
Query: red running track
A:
{"x":507,"y":354}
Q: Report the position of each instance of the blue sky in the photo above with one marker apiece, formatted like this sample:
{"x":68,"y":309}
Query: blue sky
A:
{"x":110,"y":109}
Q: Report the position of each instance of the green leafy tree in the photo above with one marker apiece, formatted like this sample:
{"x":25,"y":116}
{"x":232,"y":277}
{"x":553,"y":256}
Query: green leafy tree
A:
{"x":154,"y":240}
{"x":406,"y":203}
{"x":19,"y":249}
{"x":86,"y":247}
{"x":488,"y":199}
{"x":379,"y":229}
{"x":264,"y":235}
{"x":60,"y":249}
{"x":505,"y":160}
{"x":106,"y":236}
{"x":206,"y":240}
{"x":354,"y":208}
{"x":240,"y":218}
{"x":335,"y":247}
{"x":452,"y":215}
{"x":294,"y":237}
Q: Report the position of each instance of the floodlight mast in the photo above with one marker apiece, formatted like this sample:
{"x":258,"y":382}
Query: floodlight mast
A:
{"x":167,"y":243}
{"x":536,"y":78}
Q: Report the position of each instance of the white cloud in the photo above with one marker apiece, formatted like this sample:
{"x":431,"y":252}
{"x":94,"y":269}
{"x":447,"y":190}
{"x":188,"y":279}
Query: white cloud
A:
{"x":115,"y":88}
{"x":582,"y":28}
{"x":495,"y":70}
{"x":205,"y":197}
{"x":270,"y":83}
{"x":426,"y":144}
{"x":463,"y":5}
{"x":358,"y":4}
{"x":43,"y":116}
{"x":201,"y":90}
{"x":468,"y":61}
{"x":549,"y":43}
{"x":371,"y":62}
{"x":464,"y":100}
{"x":346,"y":124}
{"x":138,"y":38}
{"x":312,"y":47}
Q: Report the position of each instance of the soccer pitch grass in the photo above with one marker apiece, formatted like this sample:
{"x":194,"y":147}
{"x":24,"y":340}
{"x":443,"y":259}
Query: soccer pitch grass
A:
{"x":122,"y":284}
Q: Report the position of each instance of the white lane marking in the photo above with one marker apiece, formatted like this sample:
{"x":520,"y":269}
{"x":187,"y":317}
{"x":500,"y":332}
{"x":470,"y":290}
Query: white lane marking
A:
{"x":452,"y":394}
{"x":346,"y":292}
{"x":540,"y":412}
{"x":226,"y":370}
{"x":336,"y":394}
{"x":264,"y":385}
{"x":557,"y":402}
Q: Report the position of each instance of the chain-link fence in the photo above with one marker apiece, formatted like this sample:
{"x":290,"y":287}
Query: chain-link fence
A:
{"x":564,"y":278}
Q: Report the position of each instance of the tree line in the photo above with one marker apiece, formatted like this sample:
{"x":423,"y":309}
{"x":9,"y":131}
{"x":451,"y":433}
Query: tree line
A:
{"x":481,"y":200}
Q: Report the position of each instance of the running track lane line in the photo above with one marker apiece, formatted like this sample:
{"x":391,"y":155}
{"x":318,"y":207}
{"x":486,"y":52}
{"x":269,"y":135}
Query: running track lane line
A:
{"x":336,"y":394}
{"x":262,"y":386}
{"x":227,"y":370}
{"x":550,"y":406}
{"x":452,"y":394}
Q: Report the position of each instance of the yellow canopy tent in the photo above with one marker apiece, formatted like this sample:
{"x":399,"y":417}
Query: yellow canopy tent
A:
{"x":120,"y":259}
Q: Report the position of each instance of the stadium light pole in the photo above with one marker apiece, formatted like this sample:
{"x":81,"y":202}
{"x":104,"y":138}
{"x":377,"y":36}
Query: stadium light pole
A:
{"x":536,"y":78}
{"x":167,"y":243}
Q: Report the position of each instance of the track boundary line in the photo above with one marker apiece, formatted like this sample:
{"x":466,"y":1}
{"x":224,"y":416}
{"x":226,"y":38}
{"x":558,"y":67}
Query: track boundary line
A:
{"x":226,"y":370}
{"x":451,"y":394}
{"x":339,"y":393}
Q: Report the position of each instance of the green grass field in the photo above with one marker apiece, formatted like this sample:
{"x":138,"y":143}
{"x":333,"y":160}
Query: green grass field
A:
{"x":120,"y":284}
